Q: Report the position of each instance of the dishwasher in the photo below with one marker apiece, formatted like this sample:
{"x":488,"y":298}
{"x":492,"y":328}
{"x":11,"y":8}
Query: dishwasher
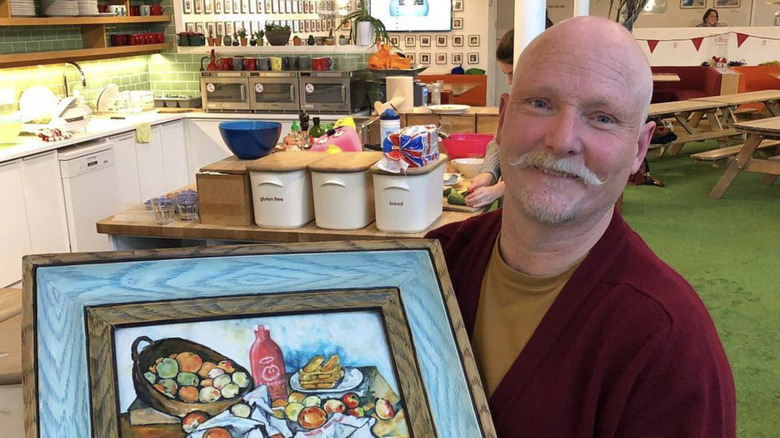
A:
{"x":89,"y":180}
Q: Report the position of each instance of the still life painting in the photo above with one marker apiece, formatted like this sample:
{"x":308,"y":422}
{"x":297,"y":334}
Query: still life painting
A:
{"x":325,"y":340}
{"x":279,"y":375}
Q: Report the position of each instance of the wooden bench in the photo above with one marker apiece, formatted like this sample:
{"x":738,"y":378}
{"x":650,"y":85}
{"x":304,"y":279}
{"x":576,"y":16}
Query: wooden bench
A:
{"x":719,"y":157}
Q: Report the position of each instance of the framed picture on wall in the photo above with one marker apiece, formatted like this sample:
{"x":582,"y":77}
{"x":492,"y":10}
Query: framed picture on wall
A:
{"x":208,"y":7}
{"x":411,"y":57}
{"x":198,"y":6}
{"x":186,"y":6}
{"x":218,"y":6}
{"x":211,"y":28}
{"x":457,"y":5}
{"x":189,"y":27}
{"x":727,"y":3}
{"x":259,"y":6}
{"x":693,"y":4}
{"x":95,"y":345}
{"x":267,"y":9}
{"x":441,"y":58}
{"x":441,"y":40}
{"x":473,"y":58}
{"x":457,"y":41}
{"x":457,"y":23}
{"x":220,"y":28}
{"x":457,"y":58}
{"x":425,"y":41}
{"x":473,"y":40}
{"x":425,"y":58}
{"x":229,"y":28}
{"x":200,"y":28}
{"x":410,"y":41}
{"x":227,"y":6}
{"x":395,"y":40}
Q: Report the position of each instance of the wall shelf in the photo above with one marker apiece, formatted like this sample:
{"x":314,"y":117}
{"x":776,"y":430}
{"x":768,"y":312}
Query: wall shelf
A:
{"x":266,"y":49}
{"x":72,"y":21}
{"x":35,"y":58}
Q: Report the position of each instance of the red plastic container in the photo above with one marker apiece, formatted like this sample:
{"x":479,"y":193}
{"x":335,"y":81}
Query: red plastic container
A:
{"x":466,"y":145}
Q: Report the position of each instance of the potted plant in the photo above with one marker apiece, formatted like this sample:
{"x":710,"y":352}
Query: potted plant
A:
{"x":242,"y":36}
{"x":211,"y":39}
{"x":366,"y":30}
{"x":227,"y":40}
{"x":259,"y":36}
{"x":277,"y":35}
{"x":218,"y":40}
{"x":235,"y":39}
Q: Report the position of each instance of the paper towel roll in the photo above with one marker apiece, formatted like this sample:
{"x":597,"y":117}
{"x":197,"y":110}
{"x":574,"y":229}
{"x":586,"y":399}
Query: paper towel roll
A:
{"x":401,"y":86}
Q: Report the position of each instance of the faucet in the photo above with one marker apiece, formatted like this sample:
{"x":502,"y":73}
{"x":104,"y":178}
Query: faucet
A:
{"x":65,"y":77}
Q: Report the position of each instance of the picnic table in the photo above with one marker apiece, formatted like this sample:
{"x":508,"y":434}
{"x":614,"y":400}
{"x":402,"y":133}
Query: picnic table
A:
{"x":757,"y":131}
{"x":688,"y":114}
{"x":769,"y":98}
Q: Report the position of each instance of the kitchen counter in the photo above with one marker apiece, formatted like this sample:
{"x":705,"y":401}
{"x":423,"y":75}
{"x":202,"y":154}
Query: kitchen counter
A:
{"x":102,"y":126}
{"x":139,"y":222}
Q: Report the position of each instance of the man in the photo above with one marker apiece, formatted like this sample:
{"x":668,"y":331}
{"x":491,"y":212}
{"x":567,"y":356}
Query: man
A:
{"x":579,"y":330}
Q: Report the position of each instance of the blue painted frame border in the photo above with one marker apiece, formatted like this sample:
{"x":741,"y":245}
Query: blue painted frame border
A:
{"x":58,"y":287}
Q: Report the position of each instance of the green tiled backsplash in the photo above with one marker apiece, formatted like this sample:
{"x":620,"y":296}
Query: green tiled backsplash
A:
{"x":39,"y":39}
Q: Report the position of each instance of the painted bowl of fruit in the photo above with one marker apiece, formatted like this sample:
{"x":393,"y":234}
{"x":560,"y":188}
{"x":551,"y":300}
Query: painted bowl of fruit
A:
{"x":177,"y":376}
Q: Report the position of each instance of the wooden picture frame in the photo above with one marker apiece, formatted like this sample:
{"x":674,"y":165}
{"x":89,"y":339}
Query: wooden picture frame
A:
{"x":693,"y":4}
{"x":727,"y":3}
{"x":473,"y":40}
{"x":218,"y":6}
{"x":412,"y":58}
{"x":457,"y":58}
{"x":457,"y":41}
{"x":457,"y":5}
{"x":472,"y":58}
{"x":198,"y":6}
{"x":425,"y":58}
{"x":395,"y":40}
{"x":410,"y":41}
{"x":189,"y":26}
{"x":220,"y":28}
{"x":82,"y":310}
{"x":441,"y":40}
{"x":457,"y":23}
{"x":186,"y":6}
{"x":227,"y":6}
{"x":441,"y":58}
{"x":425,"y":41}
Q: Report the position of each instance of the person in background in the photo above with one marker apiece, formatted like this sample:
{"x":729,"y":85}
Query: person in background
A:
{"x":578,"y":328}
{"x":709,"y":19}
{"x":487,"y":186}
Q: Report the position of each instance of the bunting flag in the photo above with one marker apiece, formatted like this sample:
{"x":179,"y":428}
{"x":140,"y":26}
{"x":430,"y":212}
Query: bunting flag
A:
{"x":741,"y":37}
{"x":697,"y":42}
{"x":651,"y":44}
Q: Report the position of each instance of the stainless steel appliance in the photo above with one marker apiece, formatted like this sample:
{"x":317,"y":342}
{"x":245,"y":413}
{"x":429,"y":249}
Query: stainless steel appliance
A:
{"x":225,"y":90}
{"x":333,"y":91}
{"x":274,"y":91}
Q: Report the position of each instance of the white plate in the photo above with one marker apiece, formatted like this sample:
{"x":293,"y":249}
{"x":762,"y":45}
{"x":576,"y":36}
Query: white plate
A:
{"x":352,"y":379}
{"x":448,"y":109}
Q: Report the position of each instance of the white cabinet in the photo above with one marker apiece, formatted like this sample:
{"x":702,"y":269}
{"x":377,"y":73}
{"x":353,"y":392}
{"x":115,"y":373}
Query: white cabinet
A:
{"x":205,"y":144}
{"x":128,"y":181}
{"x":44,"y":204}
{"x":174,"y":155}
{"x":13,"y":224}
{"x":162,"y":163}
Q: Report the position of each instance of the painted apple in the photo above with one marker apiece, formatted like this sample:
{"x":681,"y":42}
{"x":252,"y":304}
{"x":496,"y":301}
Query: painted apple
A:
{"x":356,"y":412}
{"x":334,"y":406}
{"x":193,"y":420}
{"x":312,"y":417}
{"x":351,"y":400}
{"x":384,"y":410}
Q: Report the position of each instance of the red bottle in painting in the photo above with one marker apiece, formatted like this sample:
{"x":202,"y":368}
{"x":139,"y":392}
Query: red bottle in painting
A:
{"x":268,"y":364}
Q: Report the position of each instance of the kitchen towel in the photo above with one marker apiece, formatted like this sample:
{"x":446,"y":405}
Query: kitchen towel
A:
{"x":143,"y":132}
{"x":403,"y":87}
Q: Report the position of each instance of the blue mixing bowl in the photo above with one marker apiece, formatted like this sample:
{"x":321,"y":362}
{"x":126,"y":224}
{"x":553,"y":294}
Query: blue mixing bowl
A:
{"x":250,"y":140}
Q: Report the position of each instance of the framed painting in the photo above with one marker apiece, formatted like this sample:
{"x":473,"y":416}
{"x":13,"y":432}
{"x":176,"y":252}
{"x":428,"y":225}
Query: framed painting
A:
{"x":457,"y":22}
{"x":187,"y":6}
{"x":425,"y":58}
{"x":208,"y":7}
{"x":692,"y":4}
{"x":457,"y":58}
{"x":353,"y":338}
{"x":473,"y":58}
{"x":457,"y":5}
{"x":727,"y":3}
{"x":441,"y":58}
{"x":425,"y":41}
{"x":441,"y":40}
{"x":410,"y":40}
{"x":218,"y":4}
{"x":457,"y":41}
{"x":395,"y":40}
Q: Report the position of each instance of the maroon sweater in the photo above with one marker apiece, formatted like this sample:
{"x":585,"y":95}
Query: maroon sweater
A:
{"x":626,"y":350}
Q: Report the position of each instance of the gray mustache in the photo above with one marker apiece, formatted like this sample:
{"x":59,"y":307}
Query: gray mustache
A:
{"x":550,"y":162}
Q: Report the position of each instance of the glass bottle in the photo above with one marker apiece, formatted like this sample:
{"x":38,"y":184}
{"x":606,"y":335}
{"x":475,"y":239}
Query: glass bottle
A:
{"x":267,"y":363}
{"x":435,"y":94}
{"x":317,"y":130}
{"x":306,"y":142}
{"x":292,"y":141}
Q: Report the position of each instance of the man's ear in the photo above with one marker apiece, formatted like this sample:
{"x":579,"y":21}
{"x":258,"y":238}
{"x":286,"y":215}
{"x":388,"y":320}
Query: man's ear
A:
{"x":642,"y":143}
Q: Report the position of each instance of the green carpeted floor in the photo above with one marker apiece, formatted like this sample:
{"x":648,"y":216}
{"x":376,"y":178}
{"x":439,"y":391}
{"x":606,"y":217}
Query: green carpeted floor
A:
{"x":729,"y":250}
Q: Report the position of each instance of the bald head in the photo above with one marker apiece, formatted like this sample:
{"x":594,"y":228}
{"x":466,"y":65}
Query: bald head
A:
{"x":593,"y":38}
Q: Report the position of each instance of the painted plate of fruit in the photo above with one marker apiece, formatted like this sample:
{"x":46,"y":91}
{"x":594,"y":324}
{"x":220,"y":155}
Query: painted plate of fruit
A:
{"x":321,"y":375}
{"x":177,"y":376}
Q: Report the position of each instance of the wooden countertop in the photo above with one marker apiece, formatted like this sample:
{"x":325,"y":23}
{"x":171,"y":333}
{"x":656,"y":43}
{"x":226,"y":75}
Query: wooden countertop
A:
{"x":474,"y":110}
{"x":139,"y":222}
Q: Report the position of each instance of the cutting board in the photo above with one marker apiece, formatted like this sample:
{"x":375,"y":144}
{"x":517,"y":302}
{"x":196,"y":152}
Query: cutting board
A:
{"x":462,"y":208}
